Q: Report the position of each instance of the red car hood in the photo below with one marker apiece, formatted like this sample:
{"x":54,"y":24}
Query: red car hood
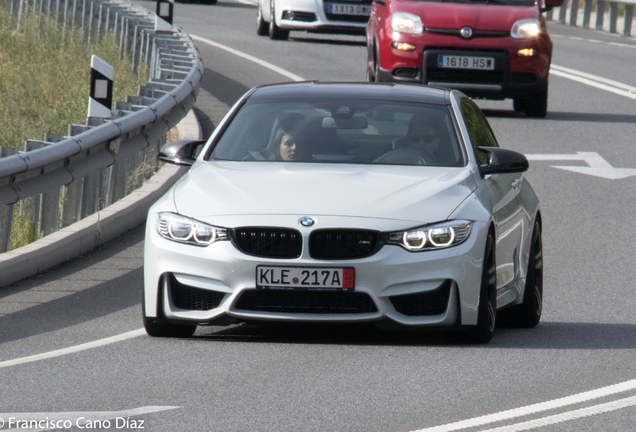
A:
{"x":476,"y":16}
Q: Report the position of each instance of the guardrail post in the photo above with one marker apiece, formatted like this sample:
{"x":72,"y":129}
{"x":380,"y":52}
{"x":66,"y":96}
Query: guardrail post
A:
{"x":574,"y":12}
{"x":6,"y":211}
{"x":600,"y":14}
{"x":99,"y":23}
{"x":90,"y":188}
{"x":90,"y":23}
{"x":587,"y":12}
{"x":563,"y":9}
{"x":6,"y":217}
{"x":65,"y":18}
{"x":118,"y":180}
{"x":105,"y":196}
{"x":49,"y":212}
{"x":20,"y":14}
{"x":74,"y":21}
{"x":613,"y":17}
{"x":71,"y":204}
{"x":134,"y":49}
{"x":629,"y":16}
{"x":121,"y":39}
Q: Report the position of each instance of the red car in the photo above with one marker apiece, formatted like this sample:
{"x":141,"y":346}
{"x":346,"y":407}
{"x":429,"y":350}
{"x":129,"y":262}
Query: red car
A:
{"x":492,"y":49}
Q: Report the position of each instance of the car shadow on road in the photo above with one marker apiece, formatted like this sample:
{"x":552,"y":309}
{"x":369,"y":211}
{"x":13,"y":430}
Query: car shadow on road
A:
{"x":232,"y":5}
{"x":547,"y":335}
{"x":326,"y":41}
{"x":565,"y":116}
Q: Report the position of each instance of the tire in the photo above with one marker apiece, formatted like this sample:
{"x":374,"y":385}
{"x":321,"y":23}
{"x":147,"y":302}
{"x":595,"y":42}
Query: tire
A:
{"x":519,"y":104}
{"x":163,"y":329}
{"x":487,"y":311}
{"x":275,"y":32}
{"x":262,"y":26}
{"x":376,"y":68}
{"x":528,"y":314}
{"x":537,"y":104}
{"x":370,"y":77}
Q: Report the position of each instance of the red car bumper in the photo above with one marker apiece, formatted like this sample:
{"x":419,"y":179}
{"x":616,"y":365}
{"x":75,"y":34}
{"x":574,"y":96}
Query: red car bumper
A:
{"x":513,"y":75}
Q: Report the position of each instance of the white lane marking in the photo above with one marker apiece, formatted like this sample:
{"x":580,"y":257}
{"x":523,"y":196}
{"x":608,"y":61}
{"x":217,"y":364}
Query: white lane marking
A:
{"x":52,"y":420}
{"x":598,"y":166}
{"x":73,"y":349}
{"x":535,"y":408}
{"x":595,"y":81}
{"x":248,"y":2}
{"x":567,"y":416}
{"x":256,"y":60}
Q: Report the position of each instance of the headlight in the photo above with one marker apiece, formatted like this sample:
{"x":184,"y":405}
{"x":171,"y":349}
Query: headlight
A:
{"x":406,"y":23}
{"x":185,"y":230}
{"x":432,"y":237}
{"x":525,"y":28}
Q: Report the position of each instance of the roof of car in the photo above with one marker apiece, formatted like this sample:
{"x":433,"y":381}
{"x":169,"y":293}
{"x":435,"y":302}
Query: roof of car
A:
{"x":375,"y":91}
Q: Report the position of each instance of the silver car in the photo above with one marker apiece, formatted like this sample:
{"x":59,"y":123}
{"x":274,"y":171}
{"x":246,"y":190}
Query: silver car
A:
{"x":277,"y":17}
{"x":345,"y":203}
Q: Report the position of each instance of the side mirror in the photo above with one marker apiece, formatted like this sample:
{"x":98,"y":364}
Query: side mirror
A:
{"x":180,"y":152}
{"x":503,"y":161}
{"x":550,"y":4}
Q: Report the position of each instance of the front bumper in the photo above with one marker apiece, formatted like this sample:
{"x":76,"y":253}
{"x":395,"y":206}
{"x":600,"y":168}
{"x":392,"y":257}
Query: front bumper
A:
{"x":513,"y":76}
{"x":313,"y":16}
{"x":217,"y":284}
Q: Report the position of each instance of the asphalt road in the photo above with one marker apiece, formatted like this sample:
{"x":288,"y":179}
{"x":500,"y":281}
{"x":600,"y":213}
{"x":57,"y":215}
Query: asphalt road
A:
{"x":249,"y":378}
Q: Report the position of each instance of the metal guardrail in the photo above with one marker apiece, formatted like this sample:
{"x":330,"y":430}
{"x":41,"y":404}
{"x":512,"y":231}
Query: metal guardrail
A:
{"x":63,"y":179}
{"x":571,"y":13}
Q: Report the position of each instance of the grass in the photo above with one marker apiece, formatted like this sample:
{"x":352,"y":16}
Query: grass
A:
{"x":45,"y":77}
{"x":44,"y":87}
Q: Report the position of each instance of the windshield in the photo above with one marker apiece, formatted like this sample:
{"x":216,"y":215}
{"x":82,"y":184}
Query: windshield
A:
{"x":341,"y":131}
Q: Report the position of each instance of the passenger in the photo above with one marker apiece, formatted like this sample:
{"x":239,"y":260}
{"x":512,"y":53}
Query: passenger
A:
{"x":287,"y":146}
{"x":289,"y":140}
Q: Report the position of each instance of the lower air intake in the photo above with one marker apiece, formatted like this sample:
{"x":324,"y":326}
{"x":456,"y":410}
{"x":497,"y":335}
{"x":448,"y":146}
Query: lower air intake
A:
{"x":306,"y":302}
{"x":191,"y":298}
{"x":423,"y":304}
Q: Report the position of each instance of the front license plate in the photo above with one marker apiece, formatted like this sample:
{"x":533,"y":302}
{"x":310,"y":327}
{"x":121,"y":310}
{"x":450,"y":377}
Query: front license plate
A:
{"x":466,"y":62}
{"x":349,"y":9}
{"x":305,"y":278}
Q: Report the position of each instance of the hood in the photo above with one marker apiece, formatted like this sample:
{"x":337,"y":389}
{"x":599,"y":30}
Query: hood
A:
{"x":476,"y":16}
{"x":213,"y":190}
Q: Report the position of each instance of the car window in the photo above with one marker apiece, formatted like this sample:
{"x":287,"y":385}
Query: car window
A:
{"x":479,"y":131}
{"x":341,"y":131}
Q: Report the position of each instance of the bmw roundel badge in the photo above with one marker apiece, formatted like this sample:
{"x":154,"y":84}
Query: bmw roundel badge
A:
{"x":307,"y":221}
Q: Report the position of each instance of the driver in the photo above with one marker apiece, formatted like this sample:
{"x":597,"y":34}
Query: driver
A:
{"x":420,"y":146}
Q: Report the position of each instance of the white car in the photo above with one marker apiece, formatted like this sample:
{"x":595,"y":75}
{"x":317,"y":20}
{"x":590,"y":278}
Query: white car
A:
{"x":278,"y":17}
{"x":346,"y":202}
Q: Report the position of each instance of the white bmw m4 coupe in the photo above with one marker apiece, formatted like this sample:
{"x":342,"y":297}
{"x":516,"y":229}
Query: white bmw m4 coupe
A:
{"x":346,"y":203}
